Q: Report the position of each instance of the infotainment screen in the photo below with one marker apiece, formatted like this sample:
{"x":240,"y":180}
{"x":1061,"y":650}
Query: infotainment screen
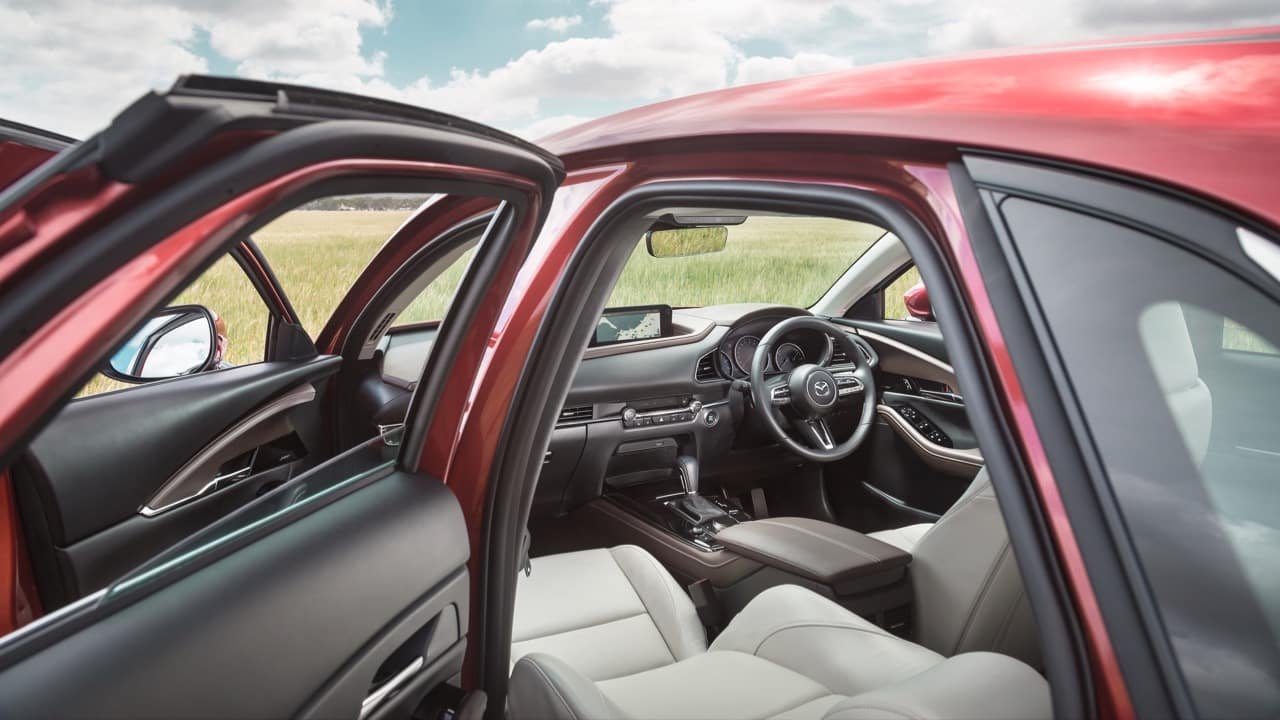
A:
{"x":628,"y":324}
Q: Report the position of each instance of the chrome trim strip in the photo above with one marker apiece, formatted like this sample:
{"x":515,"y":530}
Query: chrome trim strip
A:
{"x":902,"y":347}
{"x":390,"y":687}
{"x":182,"y":487}
{"x":965,"y":461}
{"x":1270,"y":453}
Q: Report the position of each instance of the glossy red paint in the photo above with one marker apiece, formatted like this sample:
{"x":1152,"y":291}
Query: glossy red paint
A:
{"x":19,"y":603}
{"x":1113,"y":696}
{"x":916,"y":298}
{"x":1197,"y":112}
{"x":42,"y":369}
{"x":17,"y":160}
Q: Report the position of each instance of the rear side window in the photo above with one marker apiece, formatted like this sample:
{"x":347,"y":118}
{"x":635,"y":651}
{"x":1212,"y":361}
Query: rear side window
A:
{"x":1170,"y":359}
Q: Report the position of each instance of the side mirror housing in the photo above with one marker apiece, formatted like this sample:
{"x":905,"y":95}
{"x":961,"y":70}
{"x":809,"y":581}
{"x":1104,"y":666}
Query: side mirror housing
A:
{"x":916,"y":298}
{"x":174,"y":341}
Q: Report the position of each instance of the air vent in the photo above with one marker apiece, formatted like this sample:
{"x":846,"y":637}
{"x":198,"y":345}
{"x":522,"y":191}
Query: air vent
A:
{"x":381,"y":327}
{"x":706,"y":370}
{"x":838,"y":355}
{"x":575,"y":414}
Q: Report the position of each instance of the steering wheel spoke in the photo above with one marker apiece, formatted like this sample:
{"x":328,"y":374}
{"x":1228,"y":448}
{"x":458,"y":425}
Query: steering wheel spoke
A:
{"x":778,"y":390}
{"x":817,"y":433}
{"x":849,"y":386}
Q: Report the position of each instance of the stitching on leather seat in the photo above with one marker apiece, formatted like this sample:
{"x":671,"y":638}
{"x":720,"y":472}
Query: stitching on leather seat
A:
{"x":987,"y":582}
{"x":612,"y":553}
{"x":583,"y":627}
{"x":532,"y":662}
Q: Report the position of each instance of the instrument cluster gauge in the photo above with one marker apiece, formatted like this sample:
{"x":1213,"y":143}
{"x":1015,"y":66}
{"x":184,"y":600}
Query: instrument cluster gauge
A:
{"x":788,"y":356}
{"x":725,"y":363}
{"x":744,"y":350}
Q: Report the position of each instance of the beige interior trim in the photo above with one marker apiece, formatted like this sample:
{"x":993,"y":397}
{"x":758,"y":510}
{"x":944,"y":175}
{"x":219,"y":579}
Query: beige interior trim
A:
{"x":687,"y":335}
{"x":198,"y":476}
{"x":955,"y":461}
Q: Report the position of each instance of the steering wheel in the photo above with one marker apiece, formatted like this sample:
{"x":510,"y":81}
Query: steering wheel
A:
{"x":809,"y":393}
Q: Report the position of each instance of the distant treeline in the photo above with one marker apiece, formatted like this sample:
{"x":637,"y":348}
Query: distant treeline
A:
{"x":366,"y":202}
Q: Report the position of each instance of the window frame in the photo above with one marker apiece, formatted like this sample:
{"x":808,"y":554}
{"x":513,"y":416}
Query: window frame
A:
{"x":1143,"y":651}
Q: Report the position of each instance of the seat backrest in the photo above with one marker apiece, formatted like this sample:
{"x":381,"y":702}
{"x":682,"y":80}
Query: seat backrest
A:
{"x":968,"y":592}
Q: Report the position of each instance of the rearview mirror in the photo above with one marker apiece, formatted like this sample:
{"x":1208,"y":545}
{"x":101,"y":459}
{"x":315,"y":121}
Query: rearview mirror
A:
{"x":681,"y":242}
{"x":175,"y":341}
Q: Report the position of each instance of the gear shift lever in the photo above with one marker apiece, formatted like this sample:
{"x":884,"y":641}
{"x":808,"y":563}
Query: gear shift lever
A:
{"x":698,"y":509}
{"x":688,"y":469}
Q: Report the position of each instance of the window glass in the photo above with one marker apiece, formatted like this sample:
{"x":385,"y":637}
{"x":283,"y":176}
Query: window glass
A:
{"x":894,"y":307}
{"x":431,"y":304}
{"x":1189,"y":435}
{"x":784,"y":260}
{"x":241,"y":314}
{"x":1240,"y":338}
{"x":319,"y":249}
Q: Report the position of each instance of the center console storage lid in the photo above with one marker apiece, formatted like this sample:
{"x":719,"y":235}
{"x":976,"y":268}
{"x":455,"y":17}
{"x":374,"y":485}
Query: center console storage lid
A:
{"x":812,"y":549}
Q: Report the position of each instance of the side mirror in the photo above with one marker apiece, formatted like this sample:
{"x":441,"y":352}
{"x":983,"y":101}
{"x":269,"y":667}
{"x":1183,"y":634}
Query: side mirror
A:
{"x":175,"y":341}
{"x":916,"y":298}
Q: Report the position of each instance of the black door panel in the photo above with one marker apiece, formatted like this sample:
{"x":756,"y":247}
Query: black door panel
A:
{"x":359,"y":583}
{"x":99,"y":463}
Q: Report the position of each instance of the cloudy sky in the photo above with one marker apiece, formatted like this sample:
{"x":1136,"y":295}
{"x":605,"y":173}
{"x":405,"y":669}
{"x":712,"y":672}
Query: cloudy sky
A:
{"x":528,"y":66}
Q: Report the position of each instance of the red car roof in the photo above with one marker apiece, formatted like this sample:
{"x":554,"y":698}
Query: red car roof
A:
{"x":1200,"y":111}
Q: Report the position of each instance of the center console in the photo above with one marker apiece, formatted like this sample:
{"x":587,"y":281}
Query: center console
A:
{"x":707,"y":537}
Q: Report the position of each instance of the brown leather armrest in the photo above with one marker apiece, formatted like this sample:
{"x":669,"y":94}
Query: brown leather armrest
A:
{"x":812,"y":549}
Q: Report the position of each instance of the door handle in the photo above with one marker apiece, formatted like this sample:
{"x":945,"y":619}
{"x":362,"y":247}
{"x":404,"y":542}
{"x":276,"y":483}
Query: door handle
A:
{"x":390,"y":687}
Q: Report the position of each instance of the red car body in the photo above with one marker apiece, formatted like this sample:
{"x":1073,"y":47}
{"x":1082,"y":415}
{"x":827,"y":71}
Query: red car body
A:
{"x":1196,"y":113}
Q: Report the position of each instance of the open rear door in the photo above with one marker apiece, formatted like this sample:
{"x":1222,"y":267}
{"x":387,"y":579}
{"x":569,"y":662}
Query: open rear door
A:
{"x":342,"y":593}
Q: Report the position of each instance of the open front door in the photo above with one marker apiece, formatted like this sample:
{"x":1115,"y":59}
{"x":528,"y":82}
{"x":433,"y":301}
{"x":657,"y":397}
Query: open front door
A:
{"x":343,"y":592}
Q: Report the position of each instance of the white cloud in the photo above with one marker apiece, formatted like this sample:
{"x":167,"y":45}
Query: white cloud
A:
{"x":70,"y":64}
{"x":1004,"y":23}
{"x":763,"y":69}
{"x":560,"y":24}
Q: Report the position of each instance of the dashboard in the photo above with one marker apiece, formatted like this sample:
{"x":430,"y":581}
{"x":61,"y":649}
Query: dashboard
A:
{"x":647,"y":390}
{"x":738,"y":348}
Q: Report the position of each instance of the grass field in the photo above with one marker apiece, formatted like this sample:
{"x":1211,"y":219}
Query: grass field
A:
{"x":317,"y":255}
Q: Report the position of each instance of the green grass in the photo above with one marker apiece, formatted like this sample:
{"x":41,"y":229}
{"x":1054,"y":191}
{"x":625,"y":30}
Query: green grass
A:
{"x":783,"y":260}
{"x":317,"y":255}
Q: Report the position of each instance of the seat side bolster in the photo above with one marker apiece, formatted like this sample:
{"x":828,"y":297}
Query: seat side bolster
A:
{"x":544,"y":688}
{"x":972,"y":685}
{"x":811,"y":635}
{"x":668,"y":606}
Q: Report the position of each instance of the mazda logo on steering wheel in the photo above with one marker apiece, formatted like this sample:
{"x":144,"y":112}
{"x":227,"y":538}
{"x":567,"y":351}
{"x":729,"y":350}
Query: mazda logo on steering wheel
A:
{"x":821,"y":388}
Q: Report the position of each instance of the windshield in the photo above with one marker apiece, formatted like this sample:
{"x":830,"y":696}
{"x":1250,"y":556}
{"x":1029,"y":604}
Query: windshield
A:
{"x":782,"y":260}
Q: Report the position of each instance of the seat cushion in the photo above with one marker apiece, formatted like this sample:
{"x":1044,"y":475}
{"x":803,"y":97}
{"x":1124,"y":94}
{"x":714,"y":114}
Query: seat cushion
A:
{"x":903,"y":538}
{"x":789,"y":654}
{"x":573,"y":605}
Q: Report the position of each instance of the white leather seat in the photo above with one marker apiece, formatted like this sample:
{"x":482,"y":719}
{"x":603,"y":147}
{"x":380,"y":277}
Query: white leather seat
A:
{"x":608,"y":633}
{"x":607,"y":612}
{"x":905,"y":537}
